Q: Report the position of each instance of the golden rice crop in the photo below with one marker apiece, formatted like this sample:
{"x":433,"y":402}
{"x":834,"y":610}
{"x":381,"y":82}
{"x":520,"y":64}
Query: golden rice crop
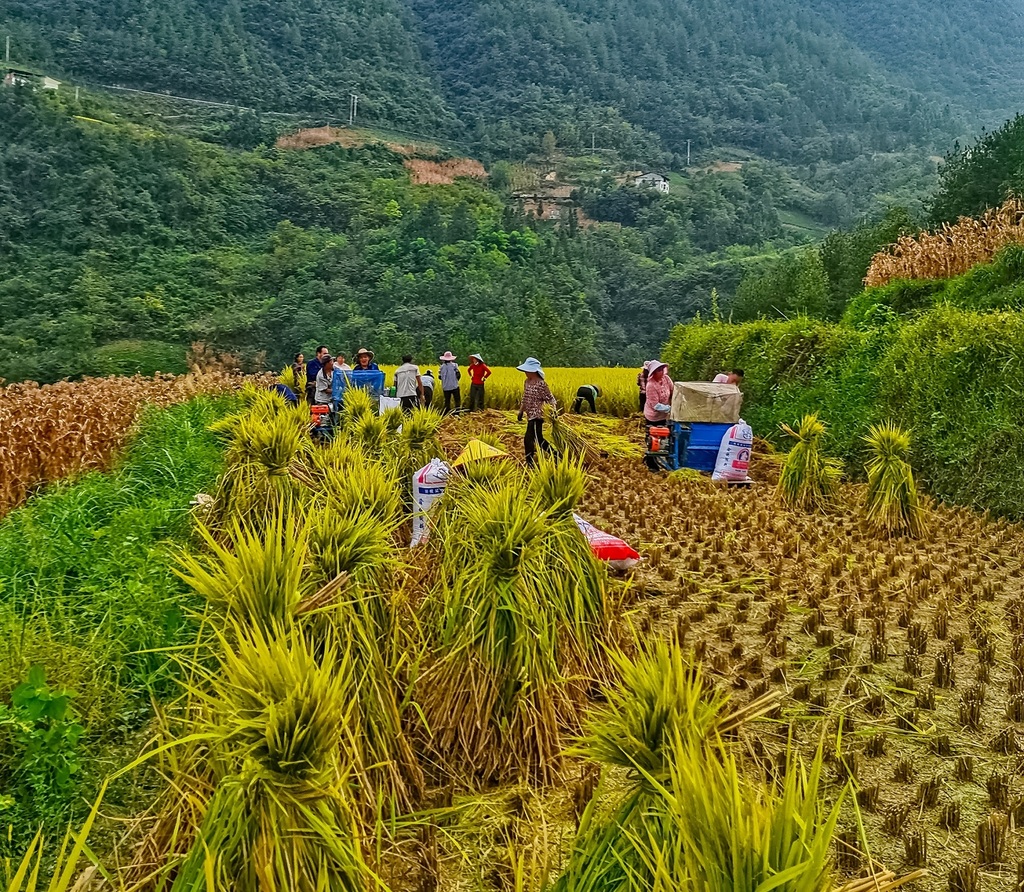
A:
{"x":809,"y":478}
{"x":893,"y":504}
{"x":951,"y":250}
{"x":57,"y":430}
{"x":504,"y":389}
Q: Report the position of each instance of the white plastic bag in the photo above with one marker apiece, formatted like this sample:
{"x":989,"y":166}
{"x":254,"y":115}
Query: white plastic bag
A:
{"x":428,"y":485}
{"x":734,"y":453}
{"x":389,"y":402}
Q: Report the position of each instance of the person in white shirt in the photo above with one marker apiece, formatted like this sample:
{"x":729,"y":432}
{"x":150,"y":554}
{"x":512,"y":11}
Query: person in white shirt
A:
{"x":341,"y":365}
{"x":324,"y":382}
{"x":733,"y":377}
{"x":408,"y":385}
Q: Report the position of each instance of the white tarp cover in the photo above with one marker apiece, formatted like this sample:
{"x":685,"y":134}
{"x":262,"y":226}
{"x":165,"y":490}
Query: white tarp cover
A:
{"x":707,"y":403}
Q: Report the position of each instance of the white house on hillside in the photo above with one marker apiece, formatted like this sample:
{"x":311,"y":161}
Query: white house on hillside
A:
{"x":652,"y":181}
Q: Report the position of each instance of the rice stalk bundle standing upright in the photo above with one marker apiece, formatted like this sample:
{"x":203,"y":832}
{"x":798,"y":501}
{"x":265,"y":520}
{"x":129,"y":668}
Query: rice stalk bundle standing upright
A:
{"x":254,"y":578}
{"x":265,"y":444}
{"x":278,"y":721}
{"x":893,"y":504}
{"x":809,"y":479}
{"x":498,"y":623}
{"x":688,"y":818}
{"x":356,"y":549}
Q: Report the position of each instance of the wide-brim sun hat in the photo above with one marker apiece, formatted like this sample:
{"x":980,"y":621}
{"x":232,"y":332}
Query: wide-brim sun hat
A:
{"x":476,"y":356}
{"x":447,"y":356}
{"x":530,"y":364}
{"x":655,"y":365}
{"x":362,"y":351}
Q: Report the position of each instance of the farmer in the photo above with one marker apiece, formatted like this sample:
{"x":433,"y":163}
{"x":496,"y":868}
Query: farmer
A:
{"x":285,"y":392}
{"x":313,"y":369}
{"x":364,"y":361}
{"x":536,"y":394}
{"x":659,"y":401}
{"x":733,"y":377}
{"x":299,"y":372}
{"x":324,"y":381}
{"x":641,"y":383}
{"x":479,"y":372}
{"x":428,"y":387}
{"x":449,"y":375}
{"x":408,"y":385}
{"x":588,"y":393}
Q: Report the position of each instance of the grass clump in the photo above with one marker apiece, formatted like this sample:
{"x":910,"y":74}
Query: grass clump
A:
{"x":809,"y":479}
{"x":893,"y":505}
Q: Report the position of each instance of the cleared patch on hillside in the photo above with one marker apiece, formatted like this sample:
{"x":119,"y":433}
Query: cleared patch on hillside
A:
{"x":314,"y":137}
{"x":443,"y":173}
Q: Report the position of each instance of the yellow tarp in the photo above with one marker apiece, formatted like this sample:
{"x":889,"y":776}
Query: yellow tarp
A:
{"x":476,"y":450}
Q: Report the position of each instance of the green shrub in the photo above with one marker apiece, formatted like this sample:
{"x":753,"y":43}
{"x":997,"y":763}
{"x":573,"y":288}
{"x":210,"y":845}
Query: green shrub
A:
{"x":949,"y":376}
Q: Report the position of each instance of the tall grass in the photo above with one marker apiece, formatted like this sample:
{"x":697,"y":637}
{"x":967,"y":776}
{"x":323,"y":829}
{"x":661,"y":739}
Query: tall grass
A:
{"x":89,"y":593}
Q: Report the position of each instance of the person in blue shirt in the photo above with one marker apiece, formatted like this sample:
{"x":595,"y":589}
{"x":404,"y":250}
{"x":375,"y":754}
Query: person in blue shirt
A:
{"x":286,"y":393}
{"x":313,"y":369}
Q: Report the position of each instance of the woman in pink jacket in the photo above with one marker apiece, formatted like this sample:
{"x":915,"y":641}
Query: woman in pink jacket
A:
{"x":659,"y":394}
{"x":659,"y":401}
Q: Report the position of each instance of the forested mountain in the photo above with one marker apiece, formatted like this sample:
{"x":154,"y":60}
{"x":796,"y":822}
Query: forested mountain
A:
{"x":121,"y":244}
{"x":968,"y":51}
{"x":775,"y":77}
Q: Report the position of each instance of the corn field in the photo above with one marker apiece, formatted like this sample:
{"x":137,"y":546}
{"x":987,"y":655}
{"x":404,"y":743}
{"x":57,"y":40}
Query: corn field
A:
{"x":952,"y":250}
{"x":54,"y":431}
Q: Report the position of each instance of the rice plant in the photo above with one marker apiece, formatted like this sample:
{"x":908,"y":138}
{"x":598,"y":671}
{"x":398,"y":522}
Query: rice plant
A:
{"x":809,"y":479}
{"x":264,"y":447}
{"x":365,"y":488}
{"x":495,"y":700}
{"x":892,"y":505}
{"x":688,"y":817}
{"x":718,"y":829}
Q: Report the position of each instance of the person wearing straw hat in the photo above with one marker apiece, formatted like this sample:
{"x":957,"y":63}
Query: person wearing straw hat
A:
{"x":479,"y":372}
{"x":449,"y":375}
{"x":536,"y":395}
{"x":364,"y":361}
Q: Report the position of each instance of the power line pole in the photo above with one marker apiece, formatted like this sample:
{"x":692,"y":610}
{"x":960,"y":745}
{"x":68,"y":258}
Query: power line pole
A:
{"x":353,"y":107}
{"x":687,"y":153}
{"x":7,"y":53}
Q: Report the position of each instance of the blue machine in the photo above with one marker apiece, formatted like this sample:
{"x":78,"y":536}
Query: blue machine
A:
{"x":371,"y":381}
{"x":685,"y":443}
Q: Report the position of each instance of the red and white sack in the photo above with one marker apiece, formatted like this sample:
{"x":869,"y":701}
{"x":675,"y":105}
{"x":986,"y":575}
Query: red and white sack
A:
{"x":428,"y":485}
{"x":734,"y":454}
{"x":606,"y":547}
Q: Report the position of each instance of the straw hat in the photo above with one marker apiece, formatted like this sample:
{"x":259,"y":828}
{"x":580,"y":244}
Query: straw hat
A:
{"x":447,"y":356}
{"x":476,"y":356}
{"x":531,"y":364}
{"x":362,"y":351}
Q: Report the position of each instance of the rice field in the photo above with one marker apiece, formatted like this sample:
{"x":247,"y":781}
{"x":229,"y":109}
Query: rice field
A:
{"x":806,"y":683}
{"x":504,"y":389}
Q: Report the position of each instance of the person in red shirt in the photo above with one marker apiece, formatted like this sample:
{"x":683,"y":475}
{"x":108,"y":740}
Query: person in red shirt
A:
{"x":479,"y":372}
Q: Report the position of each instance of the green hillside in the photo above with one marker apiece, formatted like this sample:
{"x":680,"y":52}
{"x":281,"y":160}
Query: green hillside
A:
{"x":773,"y":78}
